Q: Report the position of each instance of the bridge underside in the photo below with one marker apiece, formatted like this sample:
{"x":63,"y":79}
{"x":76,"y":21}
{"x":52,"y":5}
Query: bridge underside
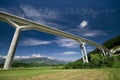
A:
{"x":21,"y":24}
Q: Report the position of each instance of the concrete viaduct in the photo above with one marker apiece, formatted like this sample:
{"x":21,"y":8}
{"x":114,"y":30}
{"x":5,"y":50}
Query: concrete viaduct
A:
{"x":21,"y":24}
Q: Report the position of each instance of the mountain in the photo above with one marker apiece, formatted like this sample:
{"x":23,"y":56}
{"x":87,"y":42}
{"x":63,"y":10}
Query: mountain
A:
{"x":41,"y":60}
{"x":33,"y":61}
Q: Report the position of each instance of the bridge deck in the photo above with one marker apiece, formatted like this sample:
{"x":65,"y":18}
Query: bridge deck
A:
{"x":31,"y":25}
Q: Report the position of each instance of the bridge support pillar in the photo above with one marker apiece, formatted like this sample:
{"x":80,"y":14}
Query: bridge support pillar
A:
{"x":12,"y":49}
{"x":84,"y":52}
{"x":104,"y":54}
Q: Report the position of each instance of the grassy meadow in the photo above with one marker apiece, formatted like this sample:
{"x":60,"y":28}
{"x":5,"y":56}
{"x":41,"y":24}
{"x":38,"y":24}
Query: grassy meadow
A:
{"x":60,"y":74}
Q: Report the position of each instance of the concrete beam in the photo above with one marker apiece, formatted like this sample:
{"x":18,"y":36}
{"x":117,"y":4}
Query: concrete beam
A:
{"x":12,"y":49}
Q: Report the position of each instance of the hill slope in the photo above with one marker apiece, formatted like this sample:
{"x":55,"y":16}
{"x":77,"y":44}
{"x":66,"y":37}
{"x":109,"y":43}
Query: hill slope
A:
{"x":97,"y":60}
{"x":110,"y":44}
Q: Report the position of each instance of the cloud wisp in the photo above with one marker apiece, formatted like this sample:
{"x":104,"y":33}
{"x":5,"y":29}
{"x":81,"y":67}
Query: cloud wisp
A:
{"x":87,"y":32}
{"x":83,"y":24}
{"x":36,"y":13}
{"x":93,"y":33}
{"x":33,"y":42}
{"x":55,"y":17}
{"x":70,"y":53}
{"x":45,"y":16}
{"x":29,"y":56}
{"x":68,"y":43}
{"x":61,"y":42}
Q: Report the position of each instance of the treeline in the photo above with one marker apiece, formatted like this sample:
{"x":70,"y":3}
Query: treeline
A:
{"x":96,"y":61}
{"x":26,"y":65}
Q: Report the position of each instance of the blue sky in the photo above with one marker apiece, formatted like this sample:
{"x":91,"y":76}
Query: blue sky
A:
{"x":97,"y":20}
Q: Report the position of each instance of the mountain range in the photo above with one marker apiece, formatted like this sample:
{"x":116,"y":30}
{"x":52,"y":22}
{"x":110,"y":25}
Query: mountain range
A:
{"x":34,"y":60}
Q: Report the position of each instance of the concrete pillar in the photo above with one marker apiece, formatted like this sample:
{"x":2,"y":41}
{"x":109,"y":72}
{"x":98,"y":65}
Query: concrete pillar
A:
{"x":104,"y":54}
{"x":83,"y":50}
{"x":83,"y":56}
{"x":12,"y":49}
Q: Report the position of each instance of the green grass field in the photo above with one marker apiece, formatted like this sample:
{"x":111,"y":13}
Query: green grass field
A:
{"x":60,"y":74}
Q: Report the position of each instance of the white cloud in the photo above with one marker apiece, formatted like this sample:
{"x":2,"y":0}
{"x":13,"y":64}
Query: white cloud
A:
{"x":40,"y":15}
{"x":70,"y":53}
{"x":1,"y":56}
{"x":34,"y":42}
{"x":22,"y":57}
{"x":46,"y":16}
{"x":87,"y":32}
{"x":93,"y":33}
{"x":69,"y":43}
{"x":83,"y":24}
{"x":62,"y":42}
{"x":29,"y":56}
{"x":35,"y":56}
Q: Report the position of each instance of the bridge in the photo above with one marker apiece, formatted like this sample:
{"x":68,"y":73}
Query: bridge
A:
{"x":21,"y":24}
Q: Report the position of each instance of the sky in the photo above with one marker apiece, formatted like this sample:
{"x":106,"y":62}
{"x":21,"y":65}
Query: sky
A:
{"x":96,"y":20}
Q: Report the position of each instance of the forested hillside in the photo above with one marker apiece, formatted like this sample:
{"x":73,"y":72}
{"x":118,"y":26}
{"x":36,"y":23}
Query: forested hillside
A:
{"x":109,"y":44}
{"x":96,"y":59}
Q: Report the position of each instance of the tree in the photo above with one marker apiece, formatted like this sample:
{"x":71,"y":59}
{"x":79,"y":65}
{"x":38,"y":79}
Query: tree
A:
{"x":96,"y":59}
